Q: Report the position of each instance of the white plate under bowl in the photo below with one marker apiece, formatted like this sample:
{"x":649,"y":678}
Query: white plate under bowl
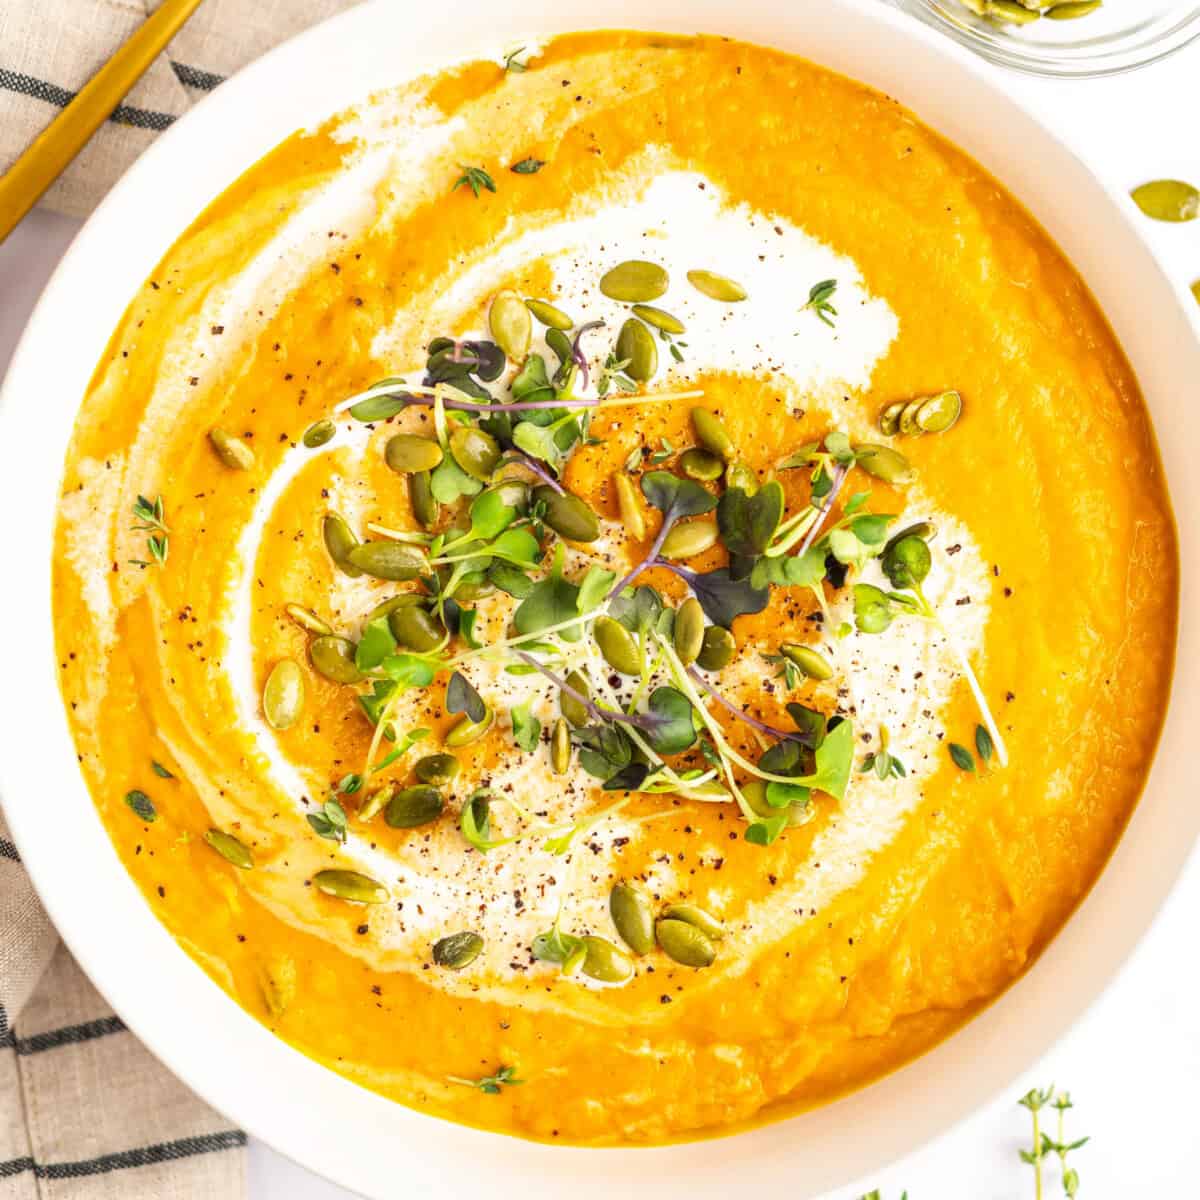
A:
{"x":307,"y":1112}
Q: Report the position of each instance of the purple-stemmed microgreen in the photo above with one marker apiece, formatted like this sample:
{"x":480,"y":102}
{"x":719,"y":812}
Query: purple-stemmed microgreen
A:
{"x":594,"y":710}
{"x":742,"y":715}
{"x":577,"y":354}
{"x":518,"y":458}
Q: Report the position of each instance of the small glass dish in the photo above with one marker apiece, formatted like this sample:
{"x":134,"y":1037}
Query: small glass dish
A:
{"x":1121,"y":35}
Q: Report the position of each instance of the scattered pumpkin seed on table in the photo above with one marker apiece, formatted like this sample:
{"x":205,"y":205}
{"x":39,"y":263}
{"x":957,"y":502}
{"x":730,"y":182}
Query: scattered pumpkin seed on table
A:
{"x":634,"y":282}
{"x":1168,"y":200}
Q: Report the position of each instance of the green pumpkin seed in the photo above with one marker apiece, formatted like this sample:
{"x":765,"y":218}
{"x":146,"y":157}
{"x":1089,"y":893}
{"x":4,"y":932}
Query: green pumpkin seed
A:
{"x":548,"y":315}
{"x":333,"y":657}
{"x":474,"y":588}
{"x":689,"y":630}
{"x":658,"y":319}
{"x":699,"y":464}
{"x":283,"y":694}
{"x":395,"y":561}
{"x":510,"y":323}
{"x":436,"y":769}
{"x":1069,"y":12}
{"x":319,"y":432}
{"x":712,"y":434}
{"x":628,"y":506}
{"x":811,"y":662}
{"x":350,"y":885}
{"x":717,"y":287}
{"x":230,"y":849}
{"x":575,"y":712}
{"x":755,"y":793}
{"x":634,"y":282}
{"x":684,"y":943}
{"x":637,"y":349}
{"x":385,"y":608}
{"x":689,"y":539}
{"x":414,"y":806}
{"x":475,"y":451}
{"x":277,"y":982}
{"x":459,"y":949}
{"x":560,"y":344}
{"x":232,"y":451}
{"x":907,"y":422}
{"x":604,"y":961}
{"x":512,"y":492}
{"x":468,"y":731}
{"x":420,"y":499}
{"x":919,"y":529}
{"x":939,"y":412}
{"x":407,"y":452}
{"x":1010,"y":12}
{"x":339,"y":541}
{"x":739,"y":475}
{"x":705,"y":922}
{"x":415,"y":629}
{"x":567,"y":514}
{"x":375,"y":800}
{"x":885,"y":463}
{"x":1168,"y":200}
{"x":307,"y":619}
{"x":889,"y":418}
{"x":617,"y":646}
{"x":560,"y":747}
{"x":716,"y":650}
{"x":633,"y":916}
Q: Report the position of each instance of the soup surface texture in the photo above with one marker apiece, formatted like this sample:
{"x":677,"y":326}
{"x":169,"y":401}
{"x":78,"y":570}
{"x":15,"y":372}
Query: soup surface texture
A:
{"x":347,"y":707}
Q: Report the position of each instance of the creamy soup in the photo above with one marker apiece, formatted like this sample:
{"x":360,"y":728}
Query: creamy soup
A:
{"x":615,"y":595}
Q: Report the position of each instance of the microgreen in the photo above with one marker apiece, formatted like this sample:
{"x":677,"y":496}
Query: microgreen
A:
{"x":513,"y":63}
{"x":963,"y":759}
{"x":149,"y":518}
{"x":475,"y":822}
{"x":476,"y":178}
{"x":748,"y":523}
{"x":330,"y":821}
{"x":526,"y":728}
{"x":884,"y":764}
{"x":612,"y":375}
{"x":461,"y":697}
{"x":528,"y":166}
{"x":490,"y":1084}
{"x":722,"y":598}
{"x":819,"y":297}
{"x":552,"y":601}
{"x":141,"y":804}
{"x":563,"y":949}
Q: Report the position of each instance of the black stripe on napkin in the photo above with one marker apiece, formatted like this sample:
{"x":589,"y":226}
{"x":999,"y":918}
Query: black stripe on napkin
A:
{"x":8,"y":850}
{"x":70,"y":1035}
{"x":193,"y":77}
{"x":143,"y":1157}
{"x":51,"y":93}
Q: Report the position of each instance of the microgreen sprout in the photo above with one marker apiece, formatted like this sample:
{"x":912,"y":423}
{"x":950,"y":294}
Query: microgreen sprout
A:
{"x":819,"y":297}
{"x":490,"y":1084}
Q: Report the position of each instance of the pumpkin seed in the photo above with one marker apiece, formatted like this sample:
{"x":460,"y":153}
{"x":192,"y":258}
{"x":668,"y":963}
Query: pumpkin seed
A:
{"x":575,"y":712}
{"x":407,"y":452}
{"x":388,"y":560}
{"x":633,"y":916}
{"x":1010,"y":12}
{"x":1196,"y":290}
{"x":468,"y":731}
{"x":436,"y":769}
{"x":739,"y":475}
{"x":420,"y":499}
{"x":350,"y":885}
{"x":1068,"y":12}
{"x":283,"y":694}
{"x":550,"y":316}
{"x":889,"y":418}
{"x":604,"y":961}
{"x":230,"y":849}
{"x":333,"y":657}
{"x":717,"y":287}
{"x":512,"y":492}
{"x":307,"y":619}
{"x":414,"y":806}
{"x":475,"y":451}
{"x":376,"y":798}
{"x":567,"y":514}
{"x":385,"y":608}
{"x":684,"y":943}
{"x":232,"y":451}
{"x":907,"y":422}
{"x":689,"y":539}
{"x":705,"y":922}
{"x":459,"y":949}
{"x":712,"y":434}
{"x":939,"y":412}
{"x":920,"y":529}
{"x":885,"y":463}
{"x":811,"y":662}
{"x":472,"y":589}
{"x":716,"y":650}
{"x":277,"y":982}
{"x":699,"y":464}
{"x":658,"y":319}
{"x":560,"y":747}
{"x":689,"y":630}
{"x":318,"y":433}
{"x":339,"y":541}
{"x":617,"y":646}
{"x":510,"y":323}
{"x":637,"y":349}
{"x":415,"y":629}
{"x":634,"y":282}
{"x":755,"y":793}
{"x":1168,"y":200}
{"x":628,"y":506}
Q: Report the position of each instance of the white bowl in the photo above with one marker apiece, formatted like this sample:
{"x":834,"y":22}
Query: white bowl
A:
{"x":307,"y":1112}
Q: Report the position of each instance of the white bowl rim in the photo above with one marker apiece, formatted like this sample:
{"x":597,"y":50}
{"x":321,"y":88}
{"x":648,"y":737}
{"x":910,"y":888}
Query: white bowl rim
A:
{"x":307,"y":1112}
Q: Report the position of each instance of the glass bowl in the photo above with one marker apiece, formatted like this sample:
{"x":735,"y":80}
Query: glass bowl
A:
{"x":1119,"y":36}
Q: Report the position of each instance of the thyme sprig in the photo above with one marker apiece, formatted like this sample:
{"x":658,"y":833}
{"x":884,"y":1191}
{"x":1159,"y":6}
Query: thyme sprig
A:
{"x":819,"y":297}
{"x":150,"y":518}
{"x":490,"y":1085}
{"x":476,"y":178}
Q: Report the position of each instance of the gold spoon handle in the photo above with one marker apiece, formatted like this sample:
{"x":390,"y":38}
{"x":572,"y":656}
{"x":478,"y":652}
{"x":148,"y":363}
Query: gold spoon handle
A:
{"x":25,"y":181}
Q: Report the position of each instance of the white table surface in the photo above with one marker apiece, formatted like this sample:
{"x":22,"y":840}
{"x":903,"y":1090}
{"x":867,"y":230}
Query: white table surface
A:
{"x":1133,"y":1063}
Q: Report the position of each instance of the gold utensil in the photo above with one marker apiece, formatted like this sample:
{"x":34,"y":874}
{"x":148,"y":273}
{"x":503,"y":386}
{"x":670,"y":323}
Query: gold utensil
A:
{"x":25,"y":181}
